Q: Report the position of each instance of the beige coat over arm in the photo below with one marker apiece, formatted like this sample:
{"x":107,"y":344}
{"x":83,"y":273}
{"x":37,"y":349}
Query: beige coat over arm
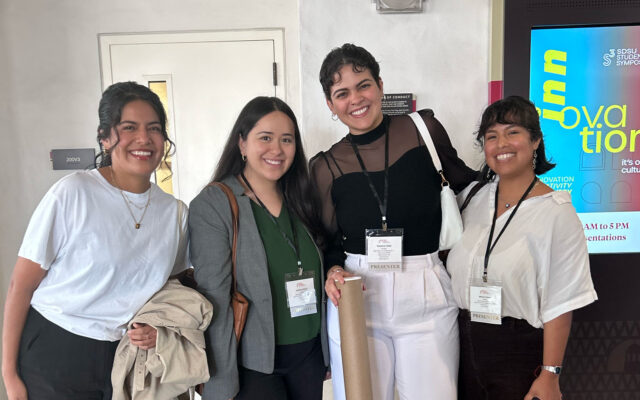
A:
{"x":178,"y":362}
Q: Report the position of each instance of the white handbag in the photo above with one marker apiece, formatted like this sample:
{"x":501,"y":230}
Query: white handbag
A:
{"x":451,"y":227}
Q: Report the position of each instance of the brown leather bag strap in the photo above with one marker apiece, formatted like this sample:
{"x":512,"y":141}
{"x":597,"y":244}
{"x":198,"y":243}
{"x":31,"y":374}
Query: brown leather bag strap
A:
{"x":233,"y":203}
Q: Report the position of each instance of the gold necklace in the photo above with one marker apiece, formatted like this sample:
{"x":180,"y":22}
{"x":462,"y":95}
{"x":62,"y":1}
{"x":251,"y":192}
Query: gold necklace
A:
{"x":510,"y":203}
{"x":127,"y":201}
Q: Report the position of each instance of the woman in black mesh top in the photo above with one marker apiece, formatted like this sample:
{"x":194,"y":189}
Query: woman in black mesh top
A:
{"x":380,"y":178}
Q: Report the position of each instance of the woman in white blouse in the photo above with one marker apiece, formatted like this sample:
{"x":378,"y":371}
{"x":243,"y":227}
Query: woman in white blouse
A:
{"x":521,"y":267}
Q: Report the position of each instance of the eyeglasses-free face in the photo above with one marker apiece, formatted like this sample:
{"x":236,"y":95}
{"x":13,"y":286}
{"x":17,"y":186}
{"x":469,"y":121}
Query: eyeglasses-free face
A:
{"x":356,"y":98}
{"x":508,"y":150}
{"x":269,"y":148}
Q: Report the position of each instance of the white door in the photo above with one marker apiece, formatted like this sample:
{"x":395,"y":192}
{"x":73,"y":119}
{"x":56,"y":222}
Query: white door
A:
{"x":210,"y":76}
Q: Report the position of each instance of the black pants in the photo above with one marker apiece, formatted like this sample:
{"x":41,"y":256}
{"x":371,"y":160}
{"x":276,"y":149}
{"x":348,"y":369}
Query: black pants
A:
{"x":298,"y":374}
{"x":497,"y":362}
{"x":57,"y":364}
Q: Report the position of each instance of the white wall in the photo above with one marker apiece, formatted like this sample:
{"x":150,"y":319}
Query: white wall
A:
{"x":50,"y":82}
{"x":441,"y":55}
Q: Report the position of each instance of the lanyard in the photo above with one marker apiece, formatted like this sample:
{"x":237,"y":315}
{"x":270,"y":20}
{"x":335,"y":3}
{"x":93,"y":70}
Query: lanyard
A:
{"x":292,"y":244}
{"x":381,"y":204}
{"x":490,"y":247}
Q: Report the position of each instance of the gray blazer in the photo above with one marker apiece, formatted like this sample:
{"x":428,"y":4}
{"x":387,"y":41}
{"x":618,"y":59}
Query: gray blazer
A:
{"x":210,"y":247}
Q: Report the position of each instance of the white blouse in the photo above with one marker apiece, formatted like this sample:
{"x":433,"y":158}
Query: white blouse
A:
{"x":541,"y":259}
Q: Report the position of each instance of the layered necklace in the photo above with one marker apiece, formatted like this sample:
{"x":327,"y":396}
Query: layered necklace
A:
{"x":129,"y":203}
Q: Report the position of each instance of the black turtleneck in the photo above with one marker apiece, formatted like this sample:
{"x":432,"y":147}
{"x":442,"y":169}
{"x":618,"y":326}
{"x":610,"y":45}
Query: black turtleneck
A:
{"x":371,"y":136}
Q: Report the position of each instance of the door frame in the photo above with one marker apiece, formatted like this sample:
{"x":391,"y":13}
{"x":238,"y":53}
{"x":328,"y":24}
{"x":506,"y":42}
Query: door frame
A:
{"x":108,"y":40}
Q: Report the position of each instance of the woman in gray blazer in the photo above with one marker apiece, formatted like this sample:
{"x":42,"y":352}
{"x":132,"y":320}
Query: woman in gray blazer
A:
{"x":282,"y":353}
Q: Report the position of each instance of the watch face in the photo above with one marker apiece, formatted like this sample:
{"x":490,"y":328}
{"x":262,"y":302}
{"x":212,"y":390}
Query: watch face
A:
{"x":553,"y":369}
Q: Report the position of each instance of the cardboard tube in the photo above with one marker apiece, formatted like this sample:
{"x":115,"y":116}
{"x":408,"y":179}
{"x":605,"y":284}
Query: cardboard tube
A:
{"x":353,"y":339}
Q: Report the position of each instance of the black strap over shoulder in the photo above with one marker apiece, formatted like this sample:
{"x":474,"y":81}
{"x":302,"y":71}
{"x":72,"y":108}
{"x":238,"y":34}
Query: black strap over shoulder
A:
{"x":326,"y":160}
{"x":325,"y":156}
{"x":334,"y":162}
{"x":472,"y":193}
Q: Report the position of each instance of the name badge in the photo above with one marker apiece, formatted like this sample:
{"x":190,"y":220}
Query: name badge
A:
{"x":301,"y":293}
{"x":384,"y":249}
{"x":485,"y":300}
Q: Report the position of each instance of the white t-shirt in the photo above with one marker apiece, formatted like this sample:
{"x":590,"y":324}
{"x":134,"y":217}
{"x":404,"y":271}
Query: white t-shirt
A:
{"x":100,"y":269}
{"x":541,"y":259}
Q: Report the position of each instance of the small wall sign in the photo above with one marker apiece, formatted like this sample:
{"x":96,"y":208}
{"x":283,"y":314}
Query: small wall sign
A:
{"x":72,"y":158}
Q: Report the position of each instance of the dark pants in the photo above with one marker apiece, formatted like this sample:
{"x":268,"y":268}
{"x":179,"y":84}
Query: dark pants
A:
{"x":497,"y":362}
{"x":298,"y":374}
{"x":57,"y":364}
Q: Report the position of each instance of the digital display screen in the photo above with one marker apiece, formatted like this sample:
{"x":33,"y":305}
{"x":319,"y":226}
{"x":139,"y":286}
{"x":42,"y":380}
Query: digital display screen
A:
{"x":585,"y":82}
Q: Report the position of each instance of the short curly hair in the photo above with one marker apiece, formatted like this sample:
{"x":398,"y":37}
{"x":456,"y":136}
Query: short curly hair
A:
{"x":347,"y":54}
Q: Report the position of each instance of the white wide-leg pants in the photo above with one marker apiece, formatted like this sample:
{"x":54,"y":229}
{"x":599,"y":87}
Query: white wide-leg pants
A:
{"x":412,"y":330}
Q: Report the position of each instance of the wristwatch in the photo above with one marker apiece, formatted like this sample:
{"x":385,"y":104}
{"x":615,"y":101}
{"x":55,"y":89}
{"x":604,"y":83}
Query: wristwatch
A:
{"x":554,"y":369}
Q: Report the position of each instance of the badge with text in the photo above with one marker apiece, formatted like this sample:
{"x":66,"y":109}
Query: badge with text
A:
{"x":301,"y":293}
{"x":384,"y":249}
{"x":485,"y":302}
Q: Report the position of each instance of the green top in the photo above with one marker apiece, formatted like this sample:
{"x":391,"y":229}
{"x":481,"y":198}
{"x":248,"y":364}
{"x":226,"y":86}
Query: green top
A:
{"x":281,"y":259}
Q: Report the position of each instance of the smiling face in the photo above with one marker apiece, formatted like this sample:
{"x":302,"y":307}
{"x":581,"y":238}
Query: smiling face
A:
{"x":269,"y":147}
{"x":136,"y":143}
{"x":508,"y":150}
{"x":356,"y":98}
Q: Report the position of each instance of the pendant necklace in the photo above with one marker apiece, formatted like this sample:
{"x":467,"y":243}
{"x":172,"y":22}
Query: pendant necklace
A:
{"x":137,"y":223}
{"x":509,"y":204}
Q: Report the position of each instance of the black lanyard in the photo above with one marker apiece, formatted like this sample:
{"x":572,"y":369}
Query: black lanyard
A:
{"x":490,"y":247}
{"x":293,"y":244}
{"x":381,"y":204}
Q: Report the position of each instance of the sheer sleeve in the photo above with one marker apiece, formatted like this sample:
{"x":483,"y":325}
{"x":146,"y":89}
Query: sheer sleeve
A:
{"x":455,"y":170}
{"x":322,"y":177}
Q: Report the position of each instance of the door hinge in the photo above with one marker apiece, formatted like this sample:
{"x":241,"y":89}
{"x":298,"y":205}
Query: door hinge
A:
{"x":275,"y":74}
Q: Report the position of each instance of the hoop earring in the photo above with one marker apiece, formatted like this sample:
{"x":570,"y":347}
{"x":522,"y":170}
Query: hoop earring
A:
{"x":535,"y":160}
{"x":244,"y":158}
{"x":334,"y":116}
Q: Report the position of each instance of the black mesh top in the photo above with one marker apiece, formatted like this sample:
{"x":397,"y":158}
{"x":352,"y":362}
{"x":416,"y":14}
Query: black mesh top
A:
{"x":349,"y":207}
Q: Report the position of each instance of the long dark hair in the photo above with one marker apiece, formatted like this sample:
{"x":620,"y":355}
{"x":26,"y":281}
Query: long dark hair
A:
{"x":514,"y":110}
{"x":113,"y":101}
{"x":295,"y":183}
